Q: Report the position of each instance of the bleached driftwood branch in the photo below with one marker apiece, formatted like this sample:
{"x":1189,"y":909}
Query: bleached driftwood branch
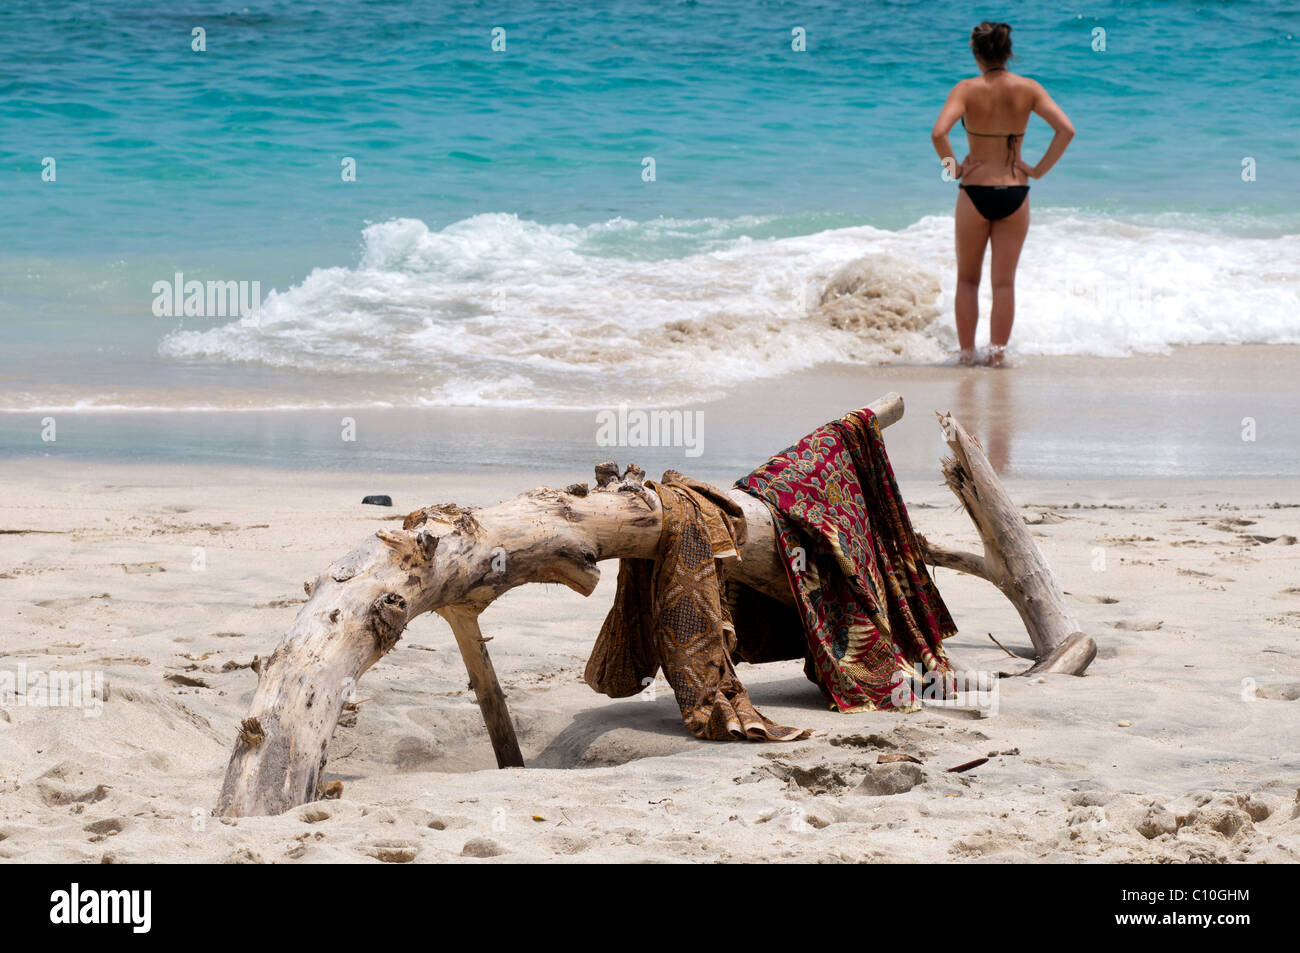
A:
{"x":1012,"y":560}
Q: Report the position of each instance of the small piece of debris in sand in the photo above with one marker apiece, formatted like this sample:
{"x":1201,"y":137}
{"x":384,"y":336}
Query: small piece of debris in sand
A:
{"x":968,"y":765}
{"x":890,"y":757}
{"x":1124,"y":724}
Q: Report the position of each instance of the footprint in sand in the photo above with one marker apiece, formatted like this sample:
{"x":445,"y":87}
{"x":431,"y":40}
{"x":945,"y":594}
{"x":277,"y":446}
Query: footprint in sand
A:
{"x":143,"y":567}
{"x":55,"y":795}
{"x":108,"y":827}
{"x":185,"y":681}
{"x":815,"y":778}
{"x":70,"y":602}
{"x":1139,"y":625}
{"x":1046,"y":517}
{"x":1280,"y":540}
{"x":399,"y":852}
{"x":111,"y":660}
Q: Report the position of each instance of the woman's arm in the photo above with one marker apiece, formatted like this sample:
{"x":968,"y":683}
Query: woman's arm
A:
{"x":1060,"y":123}
{"x":952,"y":110}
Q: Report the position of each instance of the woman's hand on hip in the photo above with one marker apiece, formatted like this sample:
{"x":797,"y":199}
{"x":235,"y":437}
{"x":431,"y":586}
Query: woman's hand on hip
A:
{"x":967,"y":166}
{"x":1029,"y":170}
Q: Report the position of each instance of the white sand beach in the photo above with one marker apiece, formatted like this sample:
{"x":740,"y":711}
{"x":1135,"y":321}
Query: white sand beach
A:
{"x":260,"y":262}
{"x":1179,"y":743}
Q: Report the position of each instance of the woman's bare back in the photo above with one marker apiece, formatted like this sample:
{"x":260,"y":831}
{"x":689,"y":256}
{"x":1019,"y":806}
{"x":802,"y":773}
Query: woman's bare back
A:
{"x":997,"y":109}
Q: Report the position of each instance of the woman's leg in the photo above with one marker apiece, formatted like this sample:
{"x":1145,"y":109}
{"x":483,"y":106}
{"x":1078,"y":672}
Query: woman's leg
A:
{"x":1007,"y":240}
{"x":972,"y":235}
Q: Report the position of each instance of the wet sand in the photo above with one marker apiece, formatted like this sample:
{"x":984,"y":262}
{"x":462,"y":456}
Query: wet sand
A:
{"x":1181,"y":415}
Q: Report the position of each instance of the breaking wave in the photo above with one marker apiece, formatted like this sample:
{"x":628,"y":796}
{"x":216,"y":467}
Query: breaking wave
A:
{"x":496,"y":310}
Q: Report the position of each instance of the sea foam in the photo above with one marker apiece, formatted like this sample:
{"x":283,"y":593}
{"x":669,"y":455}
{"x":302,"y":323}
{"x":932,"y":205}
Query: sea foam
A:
{"x":497,"y":310}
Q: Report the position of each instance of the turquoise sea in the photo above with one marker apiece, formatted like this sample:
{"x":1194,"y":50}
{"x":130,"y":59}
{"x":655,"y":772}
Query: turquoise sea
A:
{"x":503,"y":244}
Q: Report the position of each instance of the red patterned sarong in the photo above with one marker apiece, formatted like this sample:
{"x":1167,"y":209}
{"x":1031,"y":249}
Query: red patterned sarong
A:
{"x":868,"y":605}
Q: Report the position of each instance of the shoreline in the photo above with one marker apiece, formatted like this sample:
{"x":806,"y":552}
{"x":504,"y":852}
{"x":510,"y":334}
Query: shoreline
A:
{"x":1181,"y":414}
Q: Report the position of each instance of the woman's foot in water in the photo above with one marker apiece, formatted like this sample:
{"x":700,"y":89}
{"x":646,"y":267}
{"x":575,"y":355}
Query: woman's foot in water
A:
{"x":997,"y":355}
{"x":966,"y":357}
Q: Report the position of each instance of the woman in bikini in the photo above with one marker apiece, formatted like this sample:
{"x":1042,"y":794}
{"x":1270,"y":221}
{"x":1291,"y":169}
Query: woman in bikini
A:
{"x":993,"y":201}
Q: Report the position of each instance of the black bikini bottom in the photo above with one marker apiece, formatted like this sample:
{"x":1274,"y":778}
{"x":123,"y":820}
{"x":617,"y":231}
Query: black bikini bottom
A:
{"x":997,"y":201}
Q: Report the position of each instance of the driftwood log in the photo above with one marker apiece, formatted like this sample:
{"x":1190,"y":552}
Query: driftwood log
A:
{"x":456,"y":561}
{"x":1011,"y":560}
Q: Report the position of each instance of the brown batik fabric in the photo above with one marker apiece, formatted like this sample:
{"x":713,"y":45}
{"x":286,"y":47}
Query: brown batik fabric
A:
{"x":670,"y":612}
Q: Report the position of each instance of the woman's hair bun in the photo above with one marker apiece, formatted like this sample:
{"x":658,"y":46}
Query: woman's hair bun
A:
{"x":991,"y":42}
